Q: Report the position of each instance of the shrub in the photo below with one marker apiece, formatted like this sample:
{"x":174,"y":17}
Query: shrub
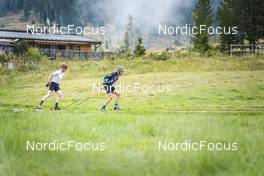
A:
{"x":34,"y":54}
{"x":3,"y":58}
{"x":161,"y":56}
{"x":140,"y":49}
{"x":21,"y":48}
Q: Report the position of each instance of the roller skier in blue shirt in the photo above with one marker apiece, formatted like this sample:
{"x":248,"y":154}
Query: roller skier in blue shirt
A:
{"x":109,"y":81}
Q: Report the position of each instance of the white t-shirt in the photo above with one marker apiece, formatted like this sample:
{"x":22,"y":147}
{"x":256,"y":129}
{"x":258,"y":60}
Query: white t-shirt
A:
{"x":57,"y":76}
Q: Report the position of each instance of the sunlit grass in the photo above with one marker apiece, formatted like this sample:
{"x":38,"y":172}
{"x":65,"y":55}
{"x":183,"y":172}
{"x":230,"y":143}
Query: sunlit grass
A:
{"x":218,"y":100}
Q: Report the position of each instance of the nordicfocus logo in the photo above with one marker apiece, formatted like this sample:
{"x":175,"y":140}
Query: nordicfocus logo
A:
{"x":134,"y":88}
{"x":65,"y":146}
{"x":188,"y":145}
{"x":193,"y":30}
{"x":65,"y":30}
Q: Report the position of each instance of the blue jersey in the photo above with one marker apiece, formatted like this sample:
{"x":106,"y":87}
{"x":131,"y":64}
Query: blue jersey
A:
{"x":111,"y":79}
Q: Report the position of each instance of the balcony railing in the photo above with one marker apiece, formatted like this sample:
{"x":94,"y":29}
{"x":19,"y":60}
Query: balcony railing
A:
{"x":246,"y":49}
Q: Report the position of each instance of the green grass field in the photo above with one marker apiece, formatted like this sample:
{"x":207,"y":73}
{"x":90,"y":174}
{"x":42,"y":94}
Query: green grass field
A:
{"x":218,"y":100}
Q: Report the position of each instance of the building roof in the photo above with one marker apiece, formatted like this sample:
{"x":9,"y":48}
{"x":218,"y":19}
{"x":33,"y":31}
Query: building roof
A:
{"x":9,"y":34}
{"x":6,"y":42}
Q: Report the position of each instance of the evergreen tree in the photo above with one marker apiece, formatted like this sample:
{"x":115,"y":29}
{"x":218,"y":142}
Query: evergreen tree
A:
{"x":227,"y":17}
{"x":125,"y":45}
{"x":202,"y":15}
{"x":252,"y":19}
{"x":21,"y":48}
{"x":60,"y":11}
{"x":140,"y":49}
{"x":247,"y":15}
{"x":106,"y":44}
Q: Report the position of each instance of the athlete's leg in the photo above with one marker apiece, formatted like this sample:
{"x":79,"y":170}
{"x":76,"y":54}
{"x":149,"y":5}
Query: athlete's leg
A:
{"x":59,"y":96}
{"x":45,"y":98}
{"x":109,"y":99}
{"x":117,"y":97}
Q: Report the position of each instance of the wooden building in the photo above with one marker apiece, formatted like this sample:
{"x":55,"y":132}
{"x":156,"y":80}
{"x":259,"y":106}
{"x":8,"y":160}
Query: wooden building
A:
{"x":6,"y":46}
{"x":51,"y":41}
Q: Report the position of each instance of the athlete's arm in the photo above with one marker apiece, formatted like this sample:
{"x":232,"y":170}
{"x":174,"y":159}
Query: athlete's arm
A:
{"x":49,"y":79}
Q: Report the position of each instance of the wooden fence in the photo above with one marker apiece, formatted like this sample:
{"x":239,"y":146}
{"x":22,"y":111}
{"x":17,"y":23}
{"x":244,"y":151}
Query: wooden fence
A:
{"x":245,"y":49}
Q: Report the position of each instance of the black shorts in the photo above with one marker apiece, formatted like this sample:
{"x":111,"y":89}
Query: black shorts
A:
{"x":109,"y":88}
{"x":54,"y":87}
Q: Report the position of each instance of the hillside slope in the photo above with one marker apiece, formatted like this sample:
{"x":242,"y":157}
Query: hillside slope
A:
{"x":215,"y":101}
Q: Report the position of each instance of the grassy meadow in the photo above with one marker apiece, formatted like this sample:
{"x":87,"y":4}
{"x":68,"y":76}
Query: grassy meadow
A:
{"x":219,"y":99}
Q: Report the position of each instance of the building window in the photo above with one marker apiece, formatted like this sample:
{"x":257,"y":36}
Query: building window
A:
{"x":77,"y":48}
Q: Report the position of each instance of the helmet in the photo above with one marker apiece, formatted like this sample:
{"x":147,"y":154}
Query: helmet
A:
{"x":64,"y":66}
{"x":120,"y":68}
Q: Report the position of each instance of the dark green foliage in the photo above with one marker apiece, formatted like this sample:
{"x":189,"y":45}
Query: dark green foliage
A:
{"x":247,"y":15}
{"x":140,"y":49}
{"x":227,"y":18}
{"x":60,"y":12}
{"x":202,"y":15}
{"x":252,"y":19}
{"x":21,"y":48}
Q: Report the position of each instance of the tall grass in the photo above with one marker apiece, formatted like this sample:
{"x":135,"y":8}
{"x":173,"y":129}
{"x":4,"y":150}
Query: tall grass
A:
{"x":213,"y":84}
{"x":147,"y":64}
